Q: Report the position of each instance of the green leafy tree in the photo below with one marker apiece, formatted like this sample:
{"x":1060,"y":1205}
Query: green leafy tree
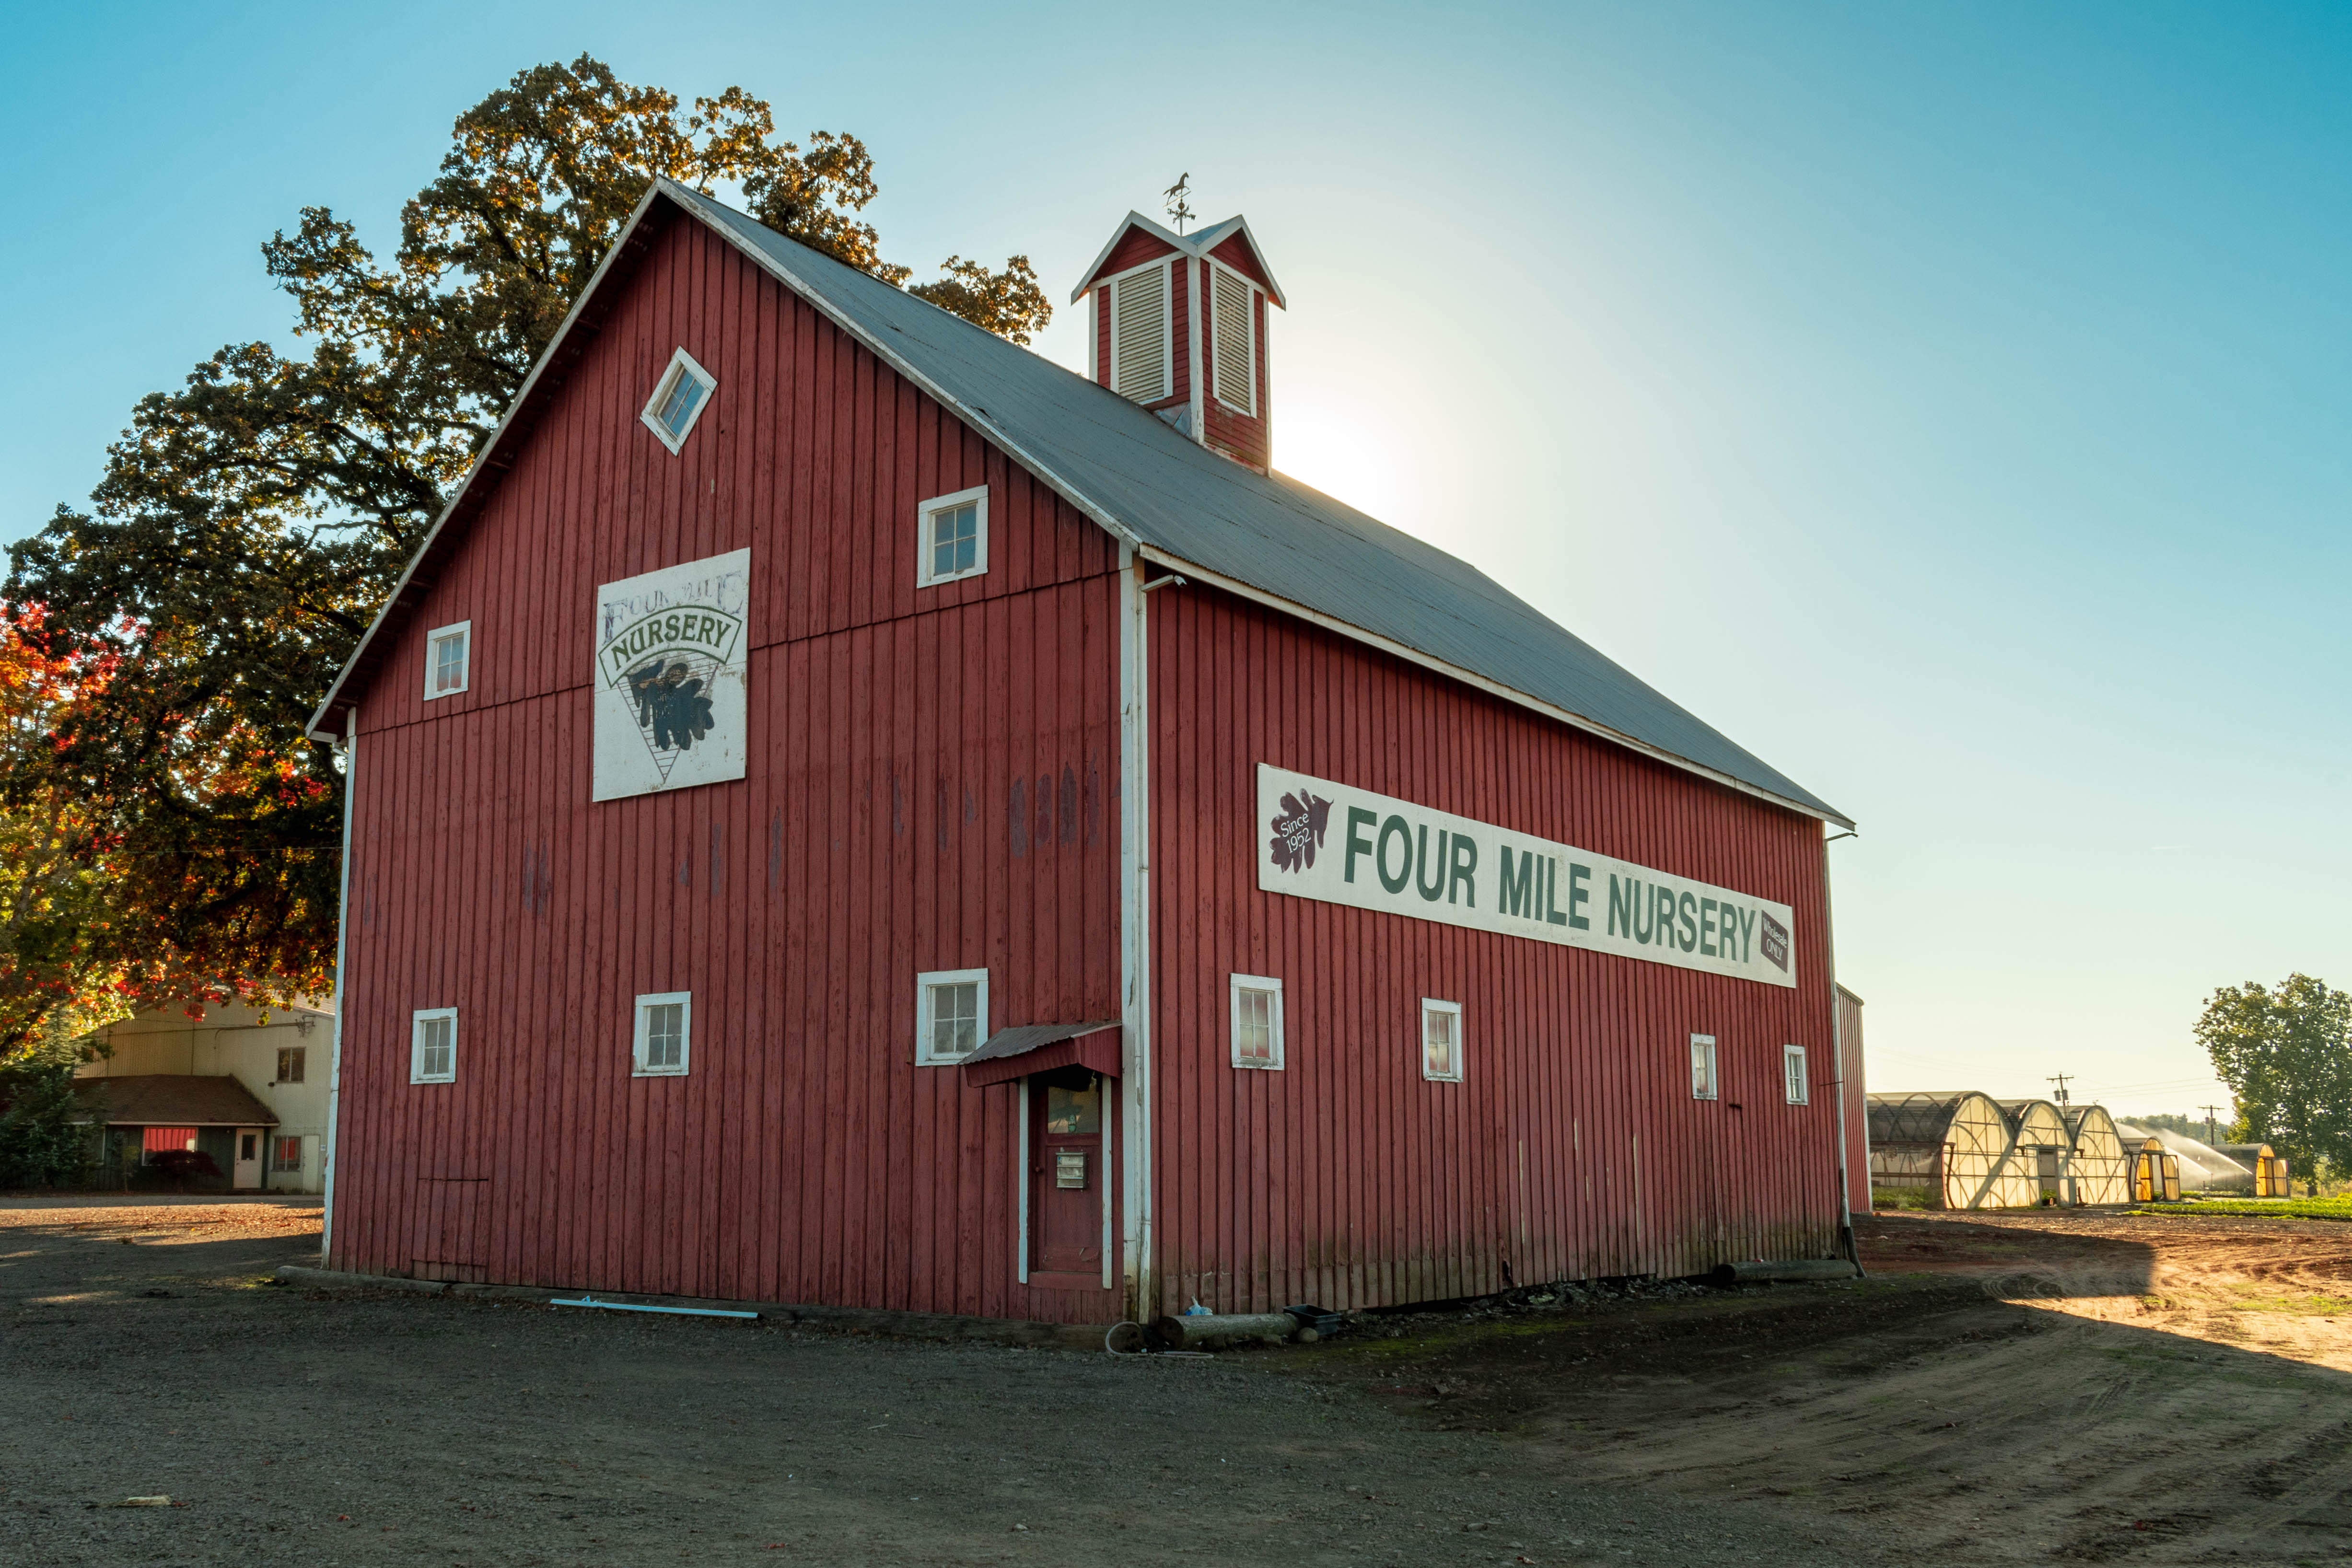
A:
{"x":2286,"y":1055}
{"x":250,"y":525}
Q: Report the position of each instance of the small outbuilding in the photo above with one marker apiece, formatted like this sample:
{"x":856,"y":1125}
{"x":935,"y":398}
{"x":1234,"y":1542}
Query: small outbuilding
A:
{"x":139,"y":1118}
{"x":1966,"y":1150}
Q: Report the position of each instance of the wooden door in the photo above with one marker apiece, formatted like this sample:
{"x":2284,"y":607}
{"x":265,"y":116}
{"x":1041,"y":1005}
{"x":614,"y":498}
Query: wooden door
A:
{"x":1065,"y":1180}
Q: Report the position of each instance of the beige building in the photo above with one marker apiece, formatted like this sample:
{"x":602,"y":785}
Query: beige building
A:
{"x":252,"y":1094}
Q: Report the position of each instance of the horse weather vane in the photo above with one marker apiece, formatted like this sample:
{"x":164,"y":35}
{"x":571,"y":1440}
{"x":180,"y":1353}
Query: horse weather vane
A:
{"x":1179,"y":208}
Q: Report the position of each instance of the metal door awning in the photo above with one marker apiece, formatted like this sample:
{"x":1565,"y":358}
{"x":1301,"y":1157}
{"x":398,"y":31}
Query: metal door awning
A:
{"x":1028,"y":1047}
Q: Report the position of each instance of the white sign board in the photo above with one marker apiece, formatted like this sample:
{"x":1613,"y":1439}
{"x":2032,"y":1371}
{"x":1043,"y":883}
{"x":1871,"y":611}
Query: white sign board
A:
{"x":1344,"y":845}
{"x":670,"y":652}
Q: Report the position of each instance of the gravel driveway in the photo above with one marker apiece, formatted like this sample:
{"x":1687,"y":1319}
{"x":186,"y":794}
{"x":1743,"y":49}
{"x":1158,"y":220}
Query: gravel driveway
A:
{"x":297,"y":1428}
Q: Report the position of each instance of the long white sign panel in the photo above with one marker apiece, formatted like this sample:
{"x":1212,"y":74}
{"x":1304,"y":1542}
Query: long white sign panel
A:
{"x":670,"y":657}
{"x":1344,"y":845}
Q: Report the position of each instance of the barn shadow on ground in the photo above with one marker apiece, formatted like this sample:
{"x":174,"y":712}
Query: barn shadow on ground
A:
{"x":2098,"y":1400}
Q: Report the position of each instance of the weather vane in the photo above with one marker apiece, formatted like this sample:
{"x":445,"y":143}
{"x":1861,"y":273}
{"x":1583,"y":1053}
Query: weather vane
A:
{"x":1178,"y":208}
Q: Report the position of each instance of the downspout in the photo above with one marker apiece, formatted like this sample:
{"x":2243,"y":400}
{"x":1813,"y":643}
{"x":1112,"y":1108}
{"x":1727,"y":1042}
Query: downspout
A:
{"x":1135,"y":1011}
{"x":1135,"y":924}
{"x":1837,"y":1047}
{"x":349,"y":746}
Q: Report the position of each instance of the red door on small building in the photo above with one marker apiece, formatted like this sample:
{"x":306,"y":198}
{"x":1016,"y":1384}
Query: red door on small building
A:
{"x":1065,"y":1179}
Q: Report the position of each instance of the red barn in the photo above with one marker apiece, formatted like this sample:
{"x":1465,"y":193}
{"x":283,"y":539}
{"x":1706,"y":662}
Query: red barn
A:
{"x":843,"y":809}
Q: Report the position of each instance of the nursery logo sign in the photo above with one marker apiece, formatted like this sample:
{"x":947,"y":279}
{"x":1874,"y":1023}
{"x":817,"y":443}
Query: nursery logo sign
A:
{"x":1298,"y":829}
{"x":1338,"y":845}
{"x":670,"y":677}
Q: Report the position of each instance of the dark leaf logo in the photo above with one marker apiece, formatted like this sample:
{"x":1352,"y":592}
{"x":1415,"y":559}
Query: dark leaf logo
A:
{"x":1298,"y":830}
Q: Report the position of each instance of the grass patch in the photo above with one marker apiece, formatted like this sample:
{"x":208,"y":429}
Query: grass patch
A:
{"x":2272,"y":1207}
{"x":2317,"y":1306}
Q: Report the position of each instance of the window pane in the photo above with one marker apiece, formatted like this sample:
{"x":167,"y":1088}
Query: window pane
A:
{"x":967,"y":552}
{"x":1437,"y":1035}
{"x":943,"y":560}
{"x":665,"y":1026}
{"x":955,"y":1019}
{"x":1254,"y":1041}
{"x":1077,"y":1112}
{"x":678,"y":407}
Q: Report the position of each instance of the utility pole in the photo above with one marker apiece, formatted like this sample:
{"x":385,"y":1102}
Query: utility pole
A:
{"x":2062,"y":1080}
{"x":2211,"y":1110}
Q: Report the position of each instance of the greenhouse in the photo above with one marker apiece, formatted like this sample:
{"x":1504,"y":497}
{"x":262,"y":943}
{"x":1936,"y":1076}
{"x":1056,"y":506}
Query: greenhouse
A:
{"x":1966,"y":1150}
{"x":2098,"y":1171}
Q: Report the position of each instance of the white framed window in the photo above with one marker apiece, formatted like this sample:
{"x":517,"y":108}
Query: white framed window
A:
{"x":291,"y":1059}
{"x":1792,"y":1068}
{"x":1441,"y":1041}
{"x":1142,"y":326}
{"x":448,"y":660}
{"x":951,"y":541}
{"x":433,"y":1046}
{"x":664,"y":1035}
{"x":285,"y":1154}
{"x":679,"y":399}
{"x":1257,"y":1021}
{"x":1233,"y":319}
{"x":1704,"y":1084}
{"x":950,"y":1015}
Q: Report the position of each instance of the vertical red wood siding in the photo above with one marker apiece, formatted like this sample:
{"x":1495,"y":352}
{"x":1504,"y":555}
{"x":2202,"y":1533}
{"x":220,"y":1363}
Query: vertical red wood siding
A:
{"x":1573,"y":1149}
{"x":928,"y":787}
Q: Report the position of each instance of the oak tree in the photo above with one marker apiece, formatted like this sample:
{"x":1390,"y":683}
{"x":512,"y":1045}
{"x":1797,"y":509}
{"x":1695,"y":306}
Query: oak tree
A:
{"x":250,"y":525}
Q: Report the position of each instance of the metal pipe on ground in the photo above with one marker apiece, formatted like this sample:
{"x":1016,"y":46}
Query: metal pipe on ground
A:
{"x":1762,"y":1271}
{"x":1191,"y":1332}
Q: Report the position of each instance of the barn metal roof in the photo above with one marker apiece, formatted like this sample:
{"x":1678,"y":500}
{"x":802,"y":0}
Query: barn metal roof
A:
{"x":1168,"y":494}
{"x":1268,"y":538}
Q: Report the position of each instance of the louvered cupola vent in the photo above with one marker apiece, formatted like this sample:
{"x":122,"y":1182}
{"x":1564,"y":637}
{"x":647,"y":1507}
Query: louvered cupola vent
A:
{"x":1234,"y":367}
{"x":1140,"y":335}
{"x":1180,"y":326}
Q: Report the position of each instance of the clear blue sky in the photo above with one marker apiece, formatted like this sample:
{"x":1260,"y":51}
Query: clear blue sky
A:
{"x":1947,"y":401}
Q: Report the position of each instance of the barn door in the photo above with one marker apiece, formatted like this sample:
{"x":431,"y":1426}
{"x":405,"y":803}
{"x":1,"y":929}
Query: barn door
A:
{"x":1065,"y":1179}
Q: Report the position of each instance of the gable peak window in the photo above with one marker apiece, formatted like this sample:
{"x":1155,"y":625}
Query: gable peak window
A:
{"x":952,"y":543}
{"x":1233,"y":310}
{"x":950,"y":1015}
{"x":663,"y":1034}
{"x":448,"y":660}
{"x":679,"y":397}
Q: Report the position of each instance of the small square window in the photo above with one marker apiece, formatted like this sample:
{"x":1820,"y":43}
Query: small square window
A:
{"x":285,"y":1154}
{"x":448,"y":660}
{"x":951,"y":1015}
{"x":1257,"y":1021}
{"x":679,"y":399}
{"x":433,"y":1046}
{"x":1703,"y":1079}
{"x":290,"y":1062}
{"x":952,"y":543}
{"x":1441,"y":1041}
{"x":665,"y":1034}
{"x":1792,"y":1067}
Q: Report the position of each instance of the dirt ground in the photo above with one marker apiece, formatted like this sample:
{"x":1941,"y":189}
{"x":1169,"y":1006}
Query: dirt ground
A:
{"x":2004,"y":1388}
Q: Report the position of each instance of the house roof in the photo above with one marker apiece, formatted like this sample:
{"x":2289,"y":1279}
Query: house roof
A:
{"x":1198,"y":244}
{"x":174,"y":1100}
{"x":1266,"y":537}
